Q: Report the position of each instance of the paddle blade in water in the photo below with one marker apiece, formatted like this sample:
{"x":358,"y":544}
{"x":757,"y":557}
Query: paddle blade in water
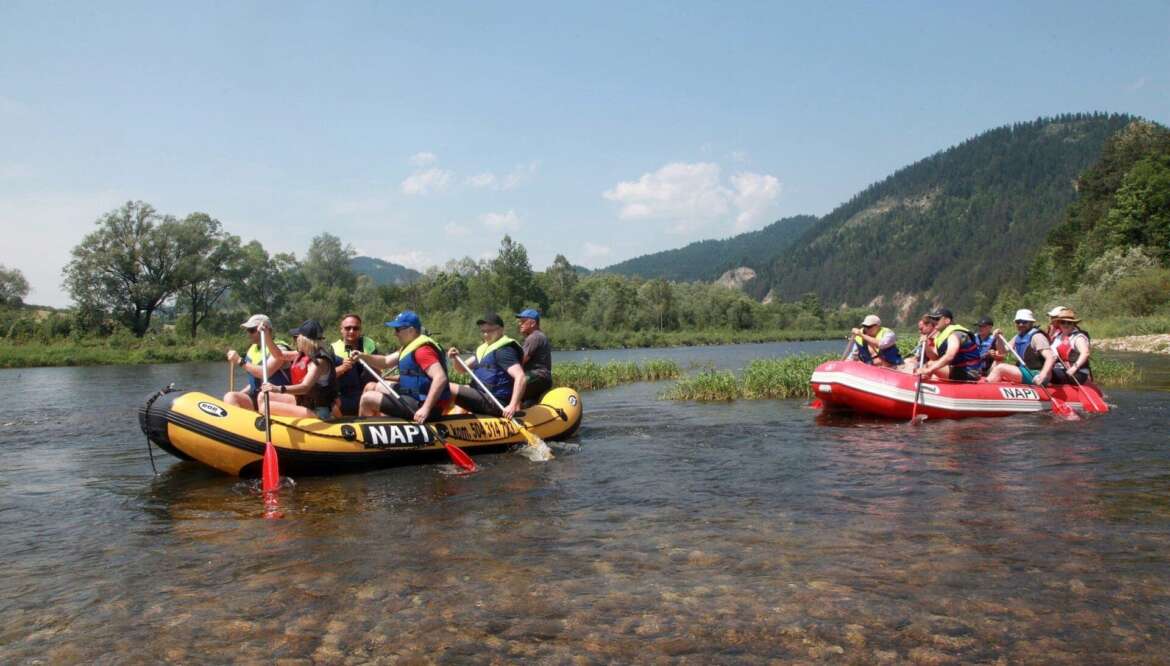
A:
{"x":816,"y":404}
{"x":1061,"y":409}
{"x":536,"y":450}
{"x":270,"y":474}
{"x":460,"y":458}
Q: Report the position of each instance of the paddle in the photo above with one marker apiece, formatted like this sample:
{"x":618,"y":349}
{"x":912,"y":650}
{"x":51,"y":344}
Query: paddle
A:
{"x":848,"y":348}
{"x":1059,"y":407}
{"x":1089,"y":402}
{"x":529,"y":436}
{"x":457,"y":455}
{"x":231,"y":377}
{"x":918,"y":386}
{"x":270,"y":471}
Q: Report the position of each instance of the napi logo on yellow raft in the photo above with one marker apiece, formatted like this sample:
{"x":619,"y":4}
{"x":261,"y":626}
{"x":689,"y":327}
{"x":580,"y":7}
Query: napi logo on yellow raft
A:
{"x":212,"y":410}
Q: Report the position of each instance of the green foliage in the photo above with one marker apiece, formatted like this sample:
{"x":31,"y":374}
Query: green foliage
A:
{"x":781,"y":378}
{"x":13,"y":286}
{"x":1109,"y":371}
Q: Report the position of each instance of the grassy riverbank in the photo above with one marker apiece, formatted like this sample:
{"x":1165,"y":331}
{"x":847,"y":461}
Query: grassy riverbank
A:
{"x":590,"y":375}
{"x":125,"y":349}
{"x":789,"y":378}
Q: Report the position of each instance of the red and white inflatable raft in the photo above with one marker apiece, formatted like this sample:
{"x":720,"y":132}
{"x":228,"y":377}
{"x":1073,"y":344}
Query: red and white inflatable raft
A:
{"x":858,"y":387}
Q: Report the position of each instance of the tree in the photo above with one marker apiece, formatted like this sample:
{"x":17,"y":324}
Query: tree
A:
{"x":209,"y":264}
{"x":512,"y":275}
{"x":559,"y":281}
{"x":263,"y":283}
{"x":658,"y":298}
{"x":13,"y":286}
{"x":327,"y":264}
{"x":128,"y":267}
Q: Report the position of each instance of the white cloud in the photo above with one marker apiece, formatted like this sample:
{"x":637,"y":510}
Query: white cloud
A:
{"x":597,"y":251}
{"x":423,"y":159}
{"x":427,"y":181}
{"x":521,"y":174}
{"x":755,"y":195}
{"x":738,"y":156}
{"x":508,"y":221}
{"x":1137,"y":85}
{"x":692,"y":196}
{"x":482,"y":180}
{"x":453,"y":230}
{"x":417,"y":259}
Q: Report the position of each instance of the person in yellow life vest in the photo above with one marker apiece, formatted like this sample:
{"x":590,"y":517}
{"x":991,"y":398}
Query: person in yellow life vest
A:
{"x":253,"y":362}
{"x":422,"y":367}
{"x":955,"y":355}
{"x":352,"y":378}
{"x":497,"y":364}
{"x":875,"y":344}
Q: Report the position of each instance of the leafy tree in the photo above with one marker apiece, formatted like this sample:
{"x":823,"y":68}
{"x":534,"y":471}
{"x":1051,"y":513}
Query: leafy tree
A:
{"x":514,"y":283}
{"x":13,"y":286}
{"x":657,"y":298}
{"x":265,"y":283}
{"x":559,"y":283}
{"x":129,"y":266}
{"x":208,"y":268}
{"x":327,"y":264}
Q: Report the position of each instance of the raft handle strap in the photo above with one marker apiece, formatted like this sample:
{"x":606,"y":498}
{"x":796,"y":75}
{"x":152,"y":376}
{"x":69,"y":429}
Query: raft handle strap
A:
{"x":146,"y":419}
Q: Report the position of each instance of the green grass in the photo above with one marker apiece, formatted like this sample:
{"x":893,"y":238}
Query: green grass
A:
{"x":1120,"y":327}
{"x":761,"y":379}
{"x":116,"y":350}
{"x":589,"y":375}
{"x":1112,"y":372}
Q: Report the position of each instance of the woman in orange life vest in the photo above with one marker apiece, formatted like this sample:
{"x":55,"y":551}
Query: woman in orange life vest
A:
{"x":1071,"y":345}
{"x":956,"y":356}
{"x":313,"y":378}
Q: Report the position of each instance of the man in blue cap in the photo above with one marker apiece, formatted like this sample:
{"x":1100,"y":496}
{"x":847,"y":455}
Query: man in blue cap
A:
{"x":537,"y":359}
{"x":422,"y":367}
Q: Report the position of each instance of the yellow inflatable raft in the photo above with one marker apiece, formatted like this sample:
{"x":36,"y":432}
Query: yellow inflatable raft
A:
{"x":196,"y":426}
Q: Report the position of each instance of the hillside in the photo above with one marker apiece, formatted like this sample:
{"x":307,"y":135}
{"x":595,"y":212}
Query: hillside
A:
{"x":707,"y":260}
{"x":956,"y":227}
{"x":383,"y":272}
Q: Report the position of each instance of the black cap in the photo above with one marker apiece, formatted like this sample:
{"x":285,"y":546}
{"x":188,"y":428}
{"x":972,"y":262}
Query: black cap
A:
{"x":939,"y":313}
{"x":490,"y":318}
{"x":309,"y":329}
{"x":985,"y":321}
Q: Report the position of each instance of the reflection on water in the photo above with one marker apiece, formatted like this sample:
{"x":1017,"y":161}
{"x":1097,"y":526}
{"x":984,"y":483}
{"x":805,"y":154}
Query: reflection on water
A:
{"x":712,"y":533}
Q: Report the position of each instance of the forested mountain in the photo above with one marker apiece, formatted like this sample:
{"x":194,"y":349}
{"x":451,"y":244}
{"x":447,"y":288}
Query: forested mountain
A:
{"x":953,"y":228}
{"x":707,"y":260}
{"x":383,"y":272}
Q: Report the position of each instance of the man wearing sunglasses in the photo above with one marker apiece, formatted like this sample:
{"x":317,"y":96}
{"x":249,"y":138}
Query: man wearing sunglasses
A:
{"x":351,"y":377}
{"x":253,"y":362}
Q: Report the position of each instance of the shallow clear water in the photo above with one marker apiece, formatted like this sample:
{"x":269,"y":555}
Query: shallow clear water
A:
{"x":741,"y":532}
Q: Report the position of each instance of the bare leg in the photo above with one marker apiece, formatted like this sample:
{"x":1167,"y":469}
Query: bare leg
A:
{"x":370,"y":403}
{"x":1005,"y":372}
{"x":239,"y":399}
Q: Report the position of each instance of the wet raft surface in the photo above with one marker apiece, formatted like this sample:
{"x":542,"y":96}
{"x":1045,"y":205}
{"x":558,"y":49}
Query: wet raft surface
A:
{"x":744,"y":532}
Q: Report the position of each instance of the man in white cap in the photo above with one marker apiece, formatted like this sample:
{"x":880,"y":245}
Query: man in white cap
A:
{"x":875,"y":344}
{"x":253,"y":362}
{"x":1031,"y":345}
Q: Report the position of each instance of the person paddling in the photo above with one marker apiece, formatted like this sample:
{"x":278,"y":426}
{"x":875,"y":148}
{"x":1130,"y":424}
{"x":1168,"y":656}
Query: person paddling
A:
{"x":312,"y":385}
{"x":988,"y":340}
{"x":1031,"y":345}
{"x":1072,"y":347}
{"x":423,"y":387}
{"x":497,"y":365}
{"x":351,"y":377}
{"x":875,"y":344}
{"x":955,"y":355}
{"x":254,"y":359}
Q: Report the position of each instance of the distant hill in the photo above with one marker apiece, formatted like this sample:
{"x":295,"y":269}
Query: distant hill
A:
{"x":383,"y":272}
{"x":707,"y":260}
{"x":954,"y":228}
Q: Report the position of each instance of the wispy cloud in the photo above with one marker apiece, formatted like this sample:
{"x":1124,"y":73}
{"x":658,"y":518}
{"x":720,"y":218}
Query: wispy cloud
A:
{"x":595,"y":251}
{"x":423,"y":159}
{"x":482,"y":180}
{"x":453,"y":230}
{"x":508,"y":221}
{"x":417,"y":259}
{"x":427,"y":181}
{"x":519,"y":175}
{"x":693,"y":195}
{"x":1137,"y":85}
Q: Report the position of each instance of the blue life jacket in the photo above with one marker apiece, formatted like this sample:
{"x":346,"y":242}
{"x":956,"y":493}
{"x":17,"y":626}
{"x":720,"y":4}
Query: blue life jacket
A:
{"x":968,"y":354}
{"x":493,"y":375}
{"x":984,"y":345}
{"x":256,"y":357}
{"x":1033,"y":360}
{"x":890,"y":354}
{"x":413,"y":381}
{"x":351,"y":383}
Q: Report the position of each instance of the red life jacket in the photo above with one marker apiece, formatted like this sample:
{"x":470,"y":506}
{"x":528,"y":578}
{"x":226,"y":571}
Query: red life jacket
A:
{"x":300,"y":368}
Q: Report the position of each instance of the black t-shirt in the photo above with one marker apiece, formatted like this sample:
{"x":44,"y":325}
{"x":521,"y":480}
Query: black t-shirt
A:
{"x":539,"y":353}
{"x":507,"y":356}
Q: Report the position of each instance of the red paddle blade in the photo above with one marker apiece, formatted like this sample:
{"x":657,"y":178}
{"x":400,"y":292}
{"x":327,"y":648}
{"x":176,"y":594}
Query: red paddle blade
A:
{"x":1061,"y":409}
{"x":270,"y":476}
{"x":460,"y":458}
{"x":816,"y":404}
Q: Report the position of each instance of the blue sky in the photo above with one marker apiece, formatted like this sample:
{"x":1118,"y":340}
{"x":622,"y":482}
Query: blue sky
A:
{"x":600,"y":131}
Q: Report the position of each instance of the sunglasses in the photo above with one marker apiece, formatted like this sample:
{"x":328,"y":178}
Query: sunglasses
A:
{"x":1021,"y":322}
{"x":252,"y":329}
{"x":351,"y":328}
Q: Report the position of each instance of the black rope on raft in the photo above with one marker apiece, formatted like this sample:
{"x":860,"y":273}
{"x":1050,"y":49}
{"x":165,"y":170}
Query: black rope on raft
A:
{"x":146,"y":419}
{"x":314,"y":433}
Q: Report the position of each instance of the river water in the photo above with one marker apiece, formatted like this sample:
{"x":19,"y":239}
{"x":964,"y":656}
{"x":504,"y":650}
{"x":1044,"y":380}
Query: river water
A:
{"x":711,"y":533}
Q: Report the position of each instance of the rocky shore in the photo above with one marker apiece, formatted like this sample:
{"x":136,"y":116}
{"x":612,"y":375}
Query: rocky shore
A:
{"x":1154,"y":344}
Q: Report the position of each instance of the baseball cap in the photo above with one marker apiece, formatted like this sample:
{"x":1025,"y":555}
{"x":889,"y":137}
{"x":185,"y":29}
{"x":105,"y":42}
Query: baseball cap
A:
{"x":256,"y":321}
{"x":985,"y":321}
{"x":939,"y":313}
{"x":1024,"y":315}
{"x":309,"y":329}
{"x":871,"y":320}
{"x":528,"y":314}
{"x":490,"y":318}
{"x":404,"y":319}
